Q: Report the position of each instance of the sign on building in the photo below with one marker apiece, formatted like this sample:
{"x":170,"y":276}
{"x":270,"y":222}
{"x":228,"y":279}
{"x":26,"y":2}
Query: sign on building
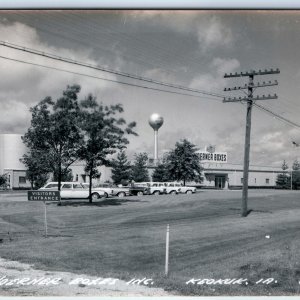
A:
{"x":215,"y":157}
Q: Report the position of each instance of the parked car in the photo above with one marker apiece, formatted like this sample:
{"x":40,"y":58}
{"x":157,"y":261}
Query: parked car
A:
{"x":156,"y":188}
{"x":121,"y":191}
{"x":171,"y":188}
{"x":139,"y":189}
{"x":73,"y":190}
{"x":106,"y":188}
{"x":185,"y":189}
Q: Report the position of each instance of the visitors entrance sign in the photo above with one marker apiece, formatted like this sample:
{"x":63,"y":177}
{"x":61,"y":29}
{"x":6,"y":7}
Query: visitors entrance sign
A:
{"x":43,"y":196}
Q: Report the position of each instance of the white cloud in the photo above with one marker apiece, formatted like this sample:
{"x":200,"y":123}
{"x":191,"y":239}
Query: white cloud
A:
{"x":214,"y":34}
{"x":214,"y":81}
{"x":23,"y":85}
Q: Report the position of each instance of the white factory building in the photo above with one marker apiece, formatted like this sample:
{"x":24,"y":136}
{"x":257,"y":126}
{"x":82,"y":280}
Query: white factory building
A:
{"x":217,"y":172}
{"x":11,"y":150}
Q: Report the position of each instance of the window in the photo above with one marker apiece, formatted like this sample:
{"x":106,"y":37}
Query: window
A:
{"x":22,"y":179}
{"x":255,"y":180}
{"x":267,"y":180}
{"x":242,"y":180}
{"x":78,"y":186}
{"x":67,"y":186}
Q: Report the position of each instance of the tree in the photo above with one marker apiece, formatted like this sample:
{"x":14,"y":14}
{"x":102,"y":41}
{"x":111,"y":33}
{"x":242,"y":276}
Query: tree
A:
{"x":283,"y":180}
{"x":139,"y":169}
{"x":183,"y":163}
{"x":160,"y":173}
{"x":3,"y":181}
{"x":104,"y":134}
{"x":296,"y":175}
{"x":54,"y":133}
{"x":121,"y":168}
{"x":37,"y":168}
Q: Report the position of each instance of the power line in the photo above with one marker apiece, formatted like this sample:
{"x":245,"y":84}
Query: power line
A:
{"x":99,"y":68}
{"x":277,"y":116}
{"x":105,"y":79}
{"x":51,"y":56}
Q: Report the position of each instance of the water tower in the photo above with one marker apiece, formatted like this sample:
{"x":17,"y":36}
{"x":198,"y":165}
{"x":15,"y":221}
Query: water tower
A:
{"x":155,"y":122}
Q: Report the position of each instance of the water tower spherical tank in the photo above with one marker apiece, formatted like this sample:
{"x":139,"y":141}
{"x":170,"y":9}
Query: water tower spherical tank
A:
{"x":156,"y":121}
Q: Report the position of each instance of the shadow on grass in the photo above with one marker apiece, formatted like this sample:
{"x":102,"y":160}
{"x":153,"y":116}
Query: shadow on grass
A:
{"x":99,"y":203}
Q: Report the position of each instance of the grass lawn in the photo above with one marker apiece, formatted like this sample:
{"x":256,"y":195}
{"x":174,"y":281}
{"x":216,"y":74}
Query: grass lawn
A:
{"x":125,"y":238}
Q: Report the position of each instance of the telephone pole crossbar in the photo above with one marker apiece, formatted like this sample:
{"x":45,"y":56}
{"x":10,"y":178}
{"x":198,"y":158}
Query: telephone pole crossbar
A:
{"x":250,"y":101}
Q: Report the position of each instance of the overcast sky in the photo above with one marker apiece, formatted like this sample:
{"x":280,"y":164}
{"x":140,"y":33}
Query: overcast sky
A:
{"x":189,"y":48}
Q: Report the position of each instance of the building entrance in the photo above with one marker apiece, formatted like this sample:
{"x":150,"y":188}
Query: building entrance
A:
{"x":220,"y":182}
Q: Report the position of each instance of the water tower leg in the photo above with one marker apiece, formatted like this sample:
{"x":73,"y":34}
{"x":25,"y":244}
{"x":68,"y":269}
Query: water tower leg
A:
{"x":155,"y":146}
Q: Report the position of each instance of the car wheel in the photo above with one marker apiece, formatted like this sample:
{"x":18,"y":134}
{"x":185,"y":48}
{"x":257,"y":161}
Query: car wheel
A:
{"x":105,"y":195}
{"x":173,"y":192}
{"x":156,"y":193}
{"x":121,"y":195}
{"x":95,"y":196}
{"x":189,"y":192}
{"x":140,"y":193}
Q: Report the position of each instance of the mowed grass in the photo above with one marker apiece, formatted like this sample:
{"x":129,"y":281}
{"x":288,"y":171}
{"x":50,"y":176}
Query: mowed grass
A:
{"x":125,"y":238}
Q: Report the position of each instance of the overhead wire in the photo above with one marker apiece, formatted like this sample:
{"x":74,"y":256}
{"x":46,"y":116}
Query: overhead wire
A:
{"x":100,"y":68}
{"x":127,"y":75}
{"x":105,"y":79}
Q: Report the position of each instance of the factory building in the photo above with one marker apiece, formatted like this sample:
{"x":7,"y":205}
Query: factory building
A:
{"x":217,"y":172}
{"x":11,"y":151}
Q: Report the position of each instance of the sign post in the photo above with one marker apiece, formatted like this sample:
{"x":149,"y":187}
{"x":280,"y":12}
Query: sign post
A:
{"x":44,"y":196}
{"x":46,"y":226}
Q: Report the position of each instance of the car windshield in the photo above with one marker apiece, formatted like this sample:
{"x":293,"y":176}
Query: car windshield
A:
{"x":67,"y":186}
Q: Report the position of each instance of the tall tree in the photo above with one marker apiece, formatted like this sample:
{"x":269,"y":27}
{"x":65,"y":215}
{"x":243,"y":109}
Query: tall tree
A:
{"x":121,"y":168}
{"x":183,"y":163}
{"x":283,"y":180}
{"x":54,"y":132}
{"x":139,"y":169}
{"x":160,"y":173}
{"x":104,"y":134}
{"x":296,"y":175}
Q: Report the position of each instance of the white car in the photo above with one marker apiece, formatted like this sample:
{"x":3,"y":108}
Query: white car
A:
{"x":108,"y":191}
{"x":168,"y":187}
{"x":154,"y":188}
{"x":73,"y":190}
{"x":183,"y":189}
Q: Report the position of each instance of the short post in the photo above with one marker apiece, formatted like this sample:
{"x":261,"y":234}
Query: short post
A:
{"x":167,"y":250}
{"x":46,"y":226}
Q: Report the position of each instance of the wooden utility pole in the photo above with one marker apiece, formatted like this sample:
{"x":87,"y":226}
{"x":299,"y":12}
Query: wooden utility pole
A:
{"x":250,"y":99}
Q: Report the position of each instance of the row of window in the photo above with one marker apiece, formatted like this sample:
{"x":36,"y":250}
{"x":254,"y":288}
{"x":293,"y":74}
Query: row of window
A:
{"x":267,"y":180}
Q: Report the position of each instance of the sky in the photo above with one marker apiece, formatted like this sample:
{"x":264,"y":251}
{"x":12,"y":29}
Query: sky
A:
{"x":187,"y":48}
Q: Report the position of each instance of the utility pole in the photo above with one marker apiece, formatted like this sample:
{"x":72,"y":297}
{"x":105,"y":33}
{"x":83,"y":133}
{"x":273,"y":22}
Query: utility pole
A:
{"x":250,"y":99}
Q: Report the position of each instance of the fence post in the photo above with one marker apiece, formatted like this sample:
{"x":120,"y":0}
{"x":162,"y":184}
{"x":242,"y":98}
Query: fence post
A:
{"x":167,"y":250}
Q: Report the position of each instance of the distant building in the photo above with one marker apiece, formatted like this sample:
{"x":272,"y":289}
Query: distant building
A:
{"x":217,"y":172}
{"x":11,"y":151}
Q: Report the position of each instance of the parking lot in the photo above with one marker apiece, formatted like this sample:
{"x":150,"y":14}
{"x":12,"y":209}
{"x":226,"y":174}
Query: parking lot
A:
{"x":125,"y":238}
